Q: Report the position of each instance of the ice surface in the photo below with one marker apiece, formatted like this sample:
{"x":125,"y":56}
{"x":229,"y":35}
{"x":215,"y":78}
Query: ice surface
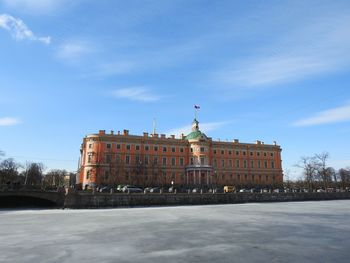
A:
{"x":264,"y":232}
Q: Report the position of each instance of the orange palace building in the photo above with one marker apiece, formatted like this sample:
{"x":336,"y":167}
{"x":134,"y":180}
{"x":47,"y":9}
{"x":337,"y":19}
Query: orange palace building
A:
{"x":194,"y":160}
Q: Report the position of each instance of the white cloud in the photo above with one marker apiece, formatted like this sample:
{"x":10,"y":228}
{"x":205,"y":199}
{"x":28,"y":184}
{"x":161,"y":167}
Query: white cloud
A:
{"x":204,"y":127}
{"x":339,"y":114}
{"x":35,"y":6}
{"x":8,"y":121}
{"x":19,"y":30}
{"x":138,"y":93}
{"x":72,"y":50}
{"x":321,"y":45}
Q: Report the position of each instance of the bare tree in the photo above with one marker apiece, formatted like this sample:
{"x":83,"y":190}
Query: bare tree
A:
{"x":323,"y":171}
{"x":54,"y":178}
{"x":34,"y":174}
{"x":9,"y":171}
{"x":344,"y":176}
{"x":310,"y":169}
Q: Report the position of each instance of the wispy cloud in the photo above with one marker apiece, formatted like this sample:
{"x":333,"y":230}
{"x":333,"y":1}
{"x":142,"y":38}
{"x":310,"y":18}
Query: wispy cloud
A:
{"x":339,"y":114}
{"x":138,"y":93}
{"x":321,"y":45}
{"x":9,"y":121}
{"x":19,"y":30}
{"x":204,"y":127}
{"x":74,"y":49}
{"x":36,"y":6}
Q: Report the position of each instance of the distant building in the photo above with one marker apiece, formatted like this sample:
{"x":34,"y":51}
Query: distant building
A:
{"x":194,"y":160}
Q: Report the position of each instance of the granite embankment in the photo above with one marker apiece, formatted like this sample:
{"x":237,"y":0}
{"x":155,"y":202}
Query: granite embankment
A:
{"x":103,"y":200}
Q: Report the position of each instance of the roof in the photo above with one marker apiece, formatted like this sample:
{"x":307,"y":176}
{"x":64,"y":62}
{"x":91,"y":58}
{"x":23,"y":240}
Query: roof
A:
{"x":196,"y":135}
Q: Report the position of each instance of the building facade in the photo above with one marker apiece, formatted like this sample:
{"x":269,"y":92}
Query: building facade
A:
{"x":194,"y":160}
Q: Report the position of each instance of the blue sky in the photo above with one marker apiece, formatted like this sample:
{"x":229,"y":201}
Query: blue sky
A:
{"x":266,"y":70}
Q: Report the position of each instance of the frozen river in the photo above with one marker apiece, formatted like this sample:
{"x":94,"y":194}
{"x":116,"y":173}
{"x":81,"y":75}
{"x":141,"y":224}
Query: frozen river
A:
{"x":254,"y":232}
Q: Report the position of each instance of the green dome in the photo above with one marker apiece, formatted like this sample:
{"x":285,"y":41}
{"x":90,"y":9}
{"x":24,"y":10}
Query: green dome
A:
{"x":196,"y":135}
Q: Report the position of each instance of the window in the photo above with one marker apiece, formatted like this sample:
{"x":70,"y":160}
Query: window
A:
{"x":251,"y":153}
{"x":181,"y":150}
{"x":230,"y":163}
{"x":229,"y":152}
{"x":265,"y":154}
{"x":88,"y":174}
{"x":191,"y":161}
{"x":173,"y":161}
{"x":222,"y":163}
{"x":222,"y":151}
{"x":137,"y":160}
{"x":214,"y":151}
{"x":146,"y":160}
{"x":155,"y":148}
{"x":155,"y":160}
{"x":164,"y":149}
{"x":237,"y":152}
{"x":258,"y":153}
{"x":137,"y":147}
{"x":108,"y":158}
{"x":202,"y":149}
{"x":215,"y":162}
{"x":118,"y":146}
{"x":244,"y":153}
{"x":128,"y":147}
{"x":90,"y":145}
{"x":202,"y":160}
{"x":191,"y":150}
{"x":265,"y":164}
{"x":251,"y":164}
{"x":237,"y":163}
{"x":245,"y":164}
{"x":164,"y":161}
{"x":173,"y":149}
{"x":271,"y":154}
{"x":273,"y":165}
{"x":259,"y":164}
{"x":108,"y":146}
{"x":181,"y":161}
{"x":127,"y":159}
{"x":89,"y":158}
{"x":146,"y":148}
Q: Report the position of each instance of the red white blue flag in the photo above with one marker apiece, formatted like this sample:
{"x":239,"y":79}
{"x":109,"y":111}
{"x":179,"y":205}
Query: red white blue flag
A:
{"x":196,"y":107}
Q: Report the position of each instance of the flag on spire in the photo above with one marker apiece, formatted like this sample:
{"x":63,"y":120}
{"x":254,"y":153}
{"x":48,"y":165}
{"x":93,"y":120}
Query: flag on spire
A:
{"x":197,"y":107}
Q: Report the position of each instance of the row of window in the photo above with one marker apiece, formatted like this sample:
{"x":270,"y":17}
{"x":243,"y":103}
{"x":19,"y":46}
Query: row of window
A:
{"x":224,"y":163}
{"x":244,"y":153}
{"x":253,"y":164}
{"x":181,"y":149}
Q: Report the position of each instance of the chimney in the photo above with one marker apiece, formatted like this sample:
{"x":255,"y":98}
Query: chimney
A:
{"x":162,"y":136}
{"x":101,"y":132}
{"x":236,"y":141}
{"x":112,"y":132}
{"x":126,"y":132}
{"x":145,"y":134}
{"x":258,"y":142}
{"x":172,"y":136}
{"x":182,"y":136}
{"x":118,"y":132}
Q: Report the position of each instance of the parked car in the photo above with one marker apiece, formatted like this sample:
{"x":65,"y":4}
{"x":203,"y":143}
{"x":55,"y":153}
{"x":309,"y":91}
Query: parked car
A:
{"x":244,"y":191}
{"x":132,"y":189}
{"x":320,"y":191}
{"x":120,"y":188}
{"x":154,"y":190}
{"x":229,"y":189}
{"x":105,"y":189}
